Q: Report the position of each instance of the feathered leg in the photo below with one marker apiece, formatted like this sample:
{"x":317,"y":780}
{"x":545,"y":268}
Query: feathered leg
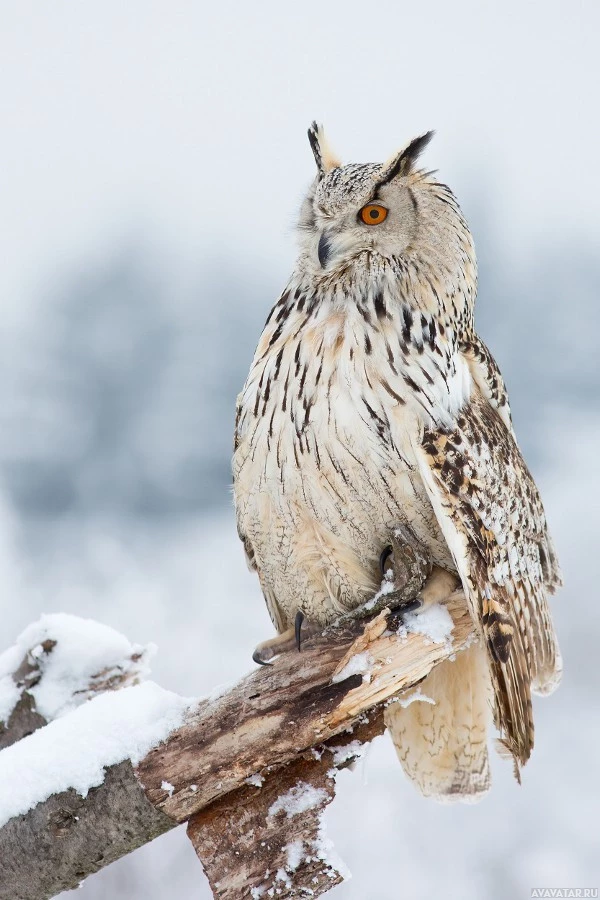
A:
{"x":443,"y":745}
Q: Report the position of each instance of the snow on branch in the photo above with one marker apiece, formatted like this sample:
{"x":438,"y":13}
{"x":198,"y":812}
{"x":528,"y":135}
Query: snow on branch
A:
{"x":109,"y":763}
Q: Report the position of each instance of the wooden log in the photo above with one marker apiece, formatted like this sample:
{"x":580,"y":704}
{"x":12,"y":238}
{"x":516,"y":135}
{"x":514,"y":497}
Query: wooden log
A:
{"x":279,"y":711}
{"x":61,"y":841}
{"x":267,"y":721}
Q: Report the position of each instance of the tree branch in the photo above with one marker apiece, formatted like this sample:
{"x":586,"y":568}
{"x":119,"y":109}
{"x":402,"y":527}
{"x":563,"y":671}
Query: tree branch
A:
{"x":264,"y":727}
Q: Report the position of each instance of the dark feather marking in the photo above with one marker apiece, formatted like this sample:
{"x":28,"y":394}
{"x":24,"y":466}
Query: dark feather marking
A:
{"x":285,"y":390}
{"x":391,"y":391}
{"x":380,"y":307}
{"x":412,"y":384}
{"x":364,"y":313}
{"x":408,"y":323}
{"x":302,"y":380}
{"x":278,"y":363}
{"x":404,"y":163}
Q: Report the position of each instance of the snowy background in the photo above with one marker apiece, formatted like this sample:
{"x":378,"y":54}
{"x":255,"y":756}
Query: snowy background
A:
{"x":152,"y":160}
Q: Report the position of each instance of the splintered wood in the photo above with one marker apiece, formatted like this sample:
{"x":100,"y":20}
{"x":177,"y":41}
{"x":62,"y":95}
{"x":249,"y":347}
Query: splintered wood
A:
{"x":268,"y":839}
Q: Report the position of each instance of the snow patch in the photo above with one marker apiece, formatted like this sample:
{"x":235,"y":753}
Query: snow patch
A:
{"x":168,"y":787}
{"x":74,"y":751}
{"x":387,"y":587}
{"x":325,"y":851}
{"x":9,"y":692}
{"x":256,"y":780}
{"x":359,"y":664}
{"x":405,"y":700}
{"x":353,"y":750}
{"x":85,"y":651}
{"x":435,"y":623}
{"x":294,"y":855}
{"x":301,"y":797}
{"x":282,"y":875}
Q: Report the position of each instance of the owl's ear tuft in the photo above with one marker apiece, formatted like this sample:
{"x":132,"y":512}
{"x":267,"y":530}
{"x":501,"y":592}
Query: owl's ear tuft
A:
{"x":403,"y":162}
{"x":325,"y":159}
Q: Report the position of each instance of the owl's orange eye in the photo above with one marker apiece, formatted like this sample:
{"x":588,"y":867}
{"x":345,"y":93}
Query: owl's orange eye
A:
{"x":373,"y":214}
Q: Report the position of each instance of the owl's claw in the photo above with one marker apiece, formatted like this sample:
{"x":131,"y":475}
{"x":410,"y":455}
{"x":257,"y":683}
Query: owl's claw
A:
{"x":383,"y":558}
{"x":298,"y":628}
{"x":257,"y":657}
{"x":291,"y":639}
{"x":397,"y":613}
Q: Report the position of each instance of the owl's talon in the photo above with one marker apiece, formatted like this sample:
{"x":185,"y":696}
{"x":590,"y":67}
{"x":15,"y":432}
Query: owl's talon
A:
{"x":298,"y":628}
{"x":268,"y":650}
{"x":383,"y":558}
{"x":397,"y":613}
{"x":257,"y":657}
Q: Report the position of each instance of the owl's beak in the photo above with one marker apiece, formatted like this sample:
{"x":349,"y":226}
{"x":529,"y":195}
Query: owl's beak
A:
{"x":324,"y":249}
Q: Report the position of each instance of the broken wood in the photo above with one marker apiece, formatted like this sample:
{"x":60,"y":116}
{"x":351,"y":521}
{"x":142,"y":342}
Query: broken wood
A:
{"x":267,"y":838}
{"x":263,"y":727}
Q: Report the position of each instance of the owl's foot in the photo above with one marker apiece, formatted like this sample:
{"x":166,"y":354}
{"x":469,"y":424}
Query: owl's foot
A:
{"x":438,"y":587}
{"x":440,"y":584}
{"x":404,"y":565}
{"x":290,"y":639}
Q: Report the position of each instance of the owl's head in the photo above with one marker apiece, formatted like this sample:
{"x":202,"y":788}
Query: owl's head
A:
{"x":392,"y":209}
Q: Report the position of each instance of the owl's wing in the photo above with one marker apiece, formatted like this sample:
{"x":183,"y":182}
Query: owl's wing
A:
{"x":487,"y":376}
{"x":492,"y":517}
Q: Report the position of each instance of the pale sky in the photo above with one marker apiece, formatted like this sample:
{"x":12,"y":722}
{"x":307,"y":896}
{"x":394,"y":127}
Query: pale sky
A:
{"x":184,"y":123}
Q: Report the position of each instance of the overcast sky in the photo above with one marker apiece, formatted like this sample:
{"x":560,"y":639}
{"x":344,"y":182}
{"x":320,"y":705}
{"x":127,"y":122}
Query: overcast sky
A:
{"x":183,"y":123}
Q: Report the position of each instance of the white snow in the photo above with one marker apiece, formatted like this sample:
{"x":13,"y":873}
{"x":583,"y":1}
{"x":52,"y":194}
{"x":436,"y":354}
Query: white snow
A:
{"x":255,"y":780}
{"x":326,"y":852}
{"x":295,"y":854}
{"x":9,"y":692}
{"x":74,"y":751}
{"x":168,"y":787}
{"x":387,"y":587}
{"x":353,"y":750}
{"x":359,"y":664}
{"x":406,"y":699}
{"x":434,"y":622}
{"x":84,"y":649}
{"x":282,"y":875}
{"x":298,"y":799}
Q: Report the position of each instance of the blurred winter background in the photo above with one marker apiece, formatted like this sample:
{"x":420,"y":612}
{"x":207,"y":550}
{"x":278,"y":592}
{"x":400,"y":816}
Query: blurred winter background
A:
{"x":152,"y":160}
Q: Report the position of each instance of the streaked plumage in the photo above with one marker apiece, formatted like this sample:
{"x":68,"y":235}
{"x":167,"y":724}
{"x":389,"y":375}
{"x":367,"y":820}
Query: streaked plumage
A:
{"x":370,"y":402}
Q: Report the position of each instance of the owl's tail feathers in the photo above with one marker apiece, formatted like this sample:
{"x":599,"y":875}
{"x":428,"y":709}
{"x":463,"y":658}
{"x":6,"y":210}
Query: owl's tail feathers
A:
{"x":441,"y":739}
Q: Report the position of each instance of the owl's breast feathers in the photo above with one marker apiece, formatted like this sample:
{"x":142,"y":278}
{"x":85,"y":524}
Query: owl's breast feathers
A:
{"x":390,"y":386}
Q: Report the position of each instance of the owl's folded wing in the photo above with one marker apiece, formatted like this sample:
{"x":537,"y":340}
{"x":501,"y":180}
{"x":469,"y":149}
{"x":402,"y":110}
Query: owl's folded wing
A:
{"x":492,"y":517}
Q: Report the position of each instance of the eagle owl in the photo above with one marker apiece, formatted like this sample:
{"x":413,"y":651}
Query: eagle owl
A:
{"x":372,"y":403}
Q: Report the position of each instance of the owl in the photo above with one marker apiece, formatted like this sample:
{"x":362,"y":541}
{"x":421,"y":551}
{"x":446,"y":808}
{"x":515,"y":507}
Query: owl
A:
{"x":371,"y":405}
